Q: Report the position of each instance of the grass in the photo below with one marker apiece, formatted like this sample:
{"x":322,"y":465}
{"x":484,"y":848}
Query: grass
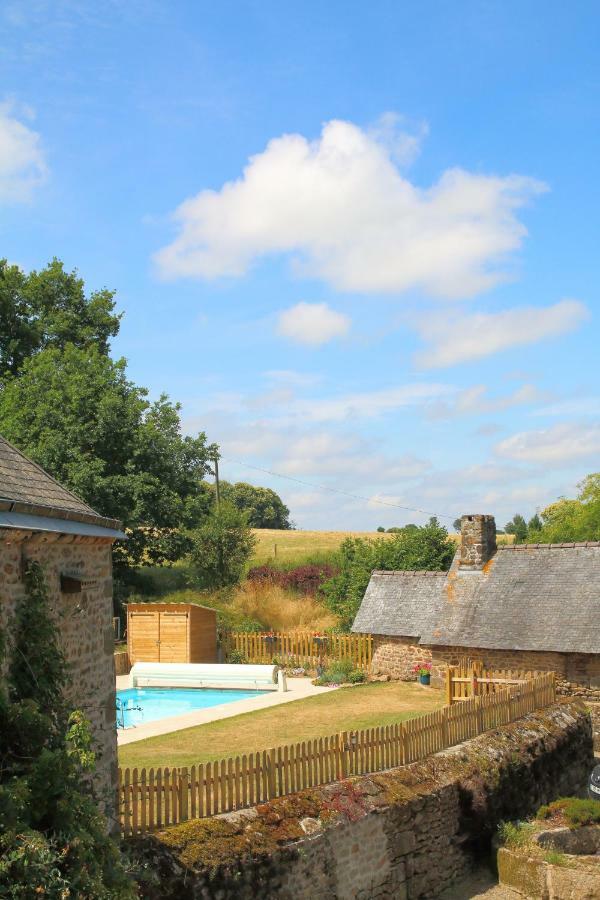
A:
{"x":363,"y":706}
{"x":295,"y":547}
{"x":575,"y":811}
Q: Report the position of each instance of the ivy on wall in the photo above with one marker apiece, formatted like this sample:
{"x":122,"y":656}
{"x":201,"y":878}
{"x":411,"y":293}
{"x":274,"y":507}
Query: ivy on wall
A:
{"x":53,"y":839}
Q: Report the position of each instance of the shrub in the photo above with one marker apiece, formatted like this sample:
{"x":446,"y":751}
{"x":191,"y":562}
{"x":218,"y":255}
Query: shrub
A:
{"x":515,"y":834}
{"x":576,"y":811}
{"x":305,"y":579}
{"x":236,"y":656}
{"x":340,"y":671}
{"x":357,"y":677}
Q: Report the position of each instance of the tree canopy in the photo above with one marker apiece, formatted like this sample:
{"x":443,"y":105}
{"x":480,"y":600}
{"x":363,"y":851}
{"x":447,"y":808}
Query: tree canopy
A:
{"x":49,"y":308}
{"x":263,"y":507}
{"x":221,"y":547}
{"x":571,"y":520}
{"x":425,"y":547}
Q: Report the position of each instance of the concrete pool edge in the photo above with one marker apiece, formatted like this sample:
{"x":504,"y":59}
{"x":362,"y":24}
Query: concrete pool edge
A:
{"x":298,"y":689}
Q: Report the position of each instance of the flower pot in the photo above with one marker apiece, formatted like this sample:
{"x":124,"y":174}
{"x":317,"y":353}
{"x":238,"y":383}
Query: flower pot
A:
{"x":425,"y":679}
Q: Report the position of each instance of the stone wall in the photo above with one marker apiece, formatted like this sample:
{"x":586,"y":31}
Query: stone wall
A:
{"x":397,"y":657}
{"x":477,"y":541}
{"x":85,"y":626}
{"x":408,"y":833}
{"x":577,"y":673}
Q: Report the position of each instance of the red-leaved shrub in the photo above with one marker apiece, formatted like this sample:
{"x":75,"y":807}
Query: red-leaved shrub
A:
{"x":305,"y":579}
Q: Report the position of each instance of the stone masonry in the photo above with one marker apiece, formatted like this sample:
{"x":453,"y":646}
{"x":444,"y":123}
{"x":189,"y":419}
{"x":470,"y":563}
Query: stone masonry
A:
{"x":408,"y":833}
{"x":85,"y":625}
{"x":478,"y":540}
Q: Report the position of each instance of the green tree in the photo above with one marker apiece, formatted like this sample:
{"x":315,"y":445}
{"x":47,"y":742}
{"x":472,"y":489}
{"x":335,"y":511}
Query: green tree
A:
{"x":457,"y":524}
{"x":534,"y":524}
{"x":264,"y":508}
{"x":573,"y":520}
{"x":49,"y":308}
{"x":75,"y":412}
{"x":221,"y":548}
{"x":53,"y":840}
{"x":518,"y":527}
{"x":426,"y":547}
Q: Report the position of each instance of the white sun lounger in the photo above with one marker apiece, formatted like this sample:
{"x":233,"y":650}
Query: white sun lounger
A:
{"x":207,"y":675}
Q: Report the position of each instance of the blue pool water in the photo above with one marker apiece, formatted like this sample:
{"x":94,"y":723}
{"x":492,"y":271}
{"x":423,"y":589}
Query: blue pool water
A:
{"x":138,"y":705}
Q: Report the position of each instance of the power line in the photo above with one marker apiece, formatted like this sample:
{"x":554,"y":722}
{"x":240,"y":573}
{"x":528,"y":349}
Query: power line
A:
{"x":324,"y":487}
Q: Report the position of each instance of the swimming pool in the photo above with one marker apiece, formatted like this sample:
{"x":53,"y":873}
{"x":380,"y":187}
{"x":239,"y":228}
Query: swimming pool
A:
{"x":135,"y":706}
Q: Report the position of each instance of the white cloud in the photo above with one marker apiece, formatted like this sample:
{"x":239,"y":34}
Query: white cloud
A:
{"x":370,"y":404}
{"x":313,"y":324}
{"x":22,"y":163}
{"x":459,"y":339}
{"x":342,"y":206}
{"x":561,"y":444}
{"x":476,"y":401}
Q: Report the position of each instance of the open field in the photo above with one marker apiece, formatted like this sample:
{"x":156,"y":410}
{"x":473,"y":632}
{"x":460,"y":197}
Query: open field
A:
{"x":295,"y":546}
{"x":363,"y":706}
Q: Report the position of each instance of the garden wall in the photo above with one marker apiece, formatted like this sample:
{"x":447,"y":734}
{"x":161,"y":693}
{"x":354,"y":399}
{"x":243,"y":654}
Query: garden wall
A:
{"x":406,"y":833}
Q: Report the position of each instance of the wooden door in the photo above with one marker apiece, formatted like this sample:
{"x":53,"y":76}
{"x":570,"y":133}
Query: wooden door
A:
{"x":173,"y":637}
{"x":144,"y":637}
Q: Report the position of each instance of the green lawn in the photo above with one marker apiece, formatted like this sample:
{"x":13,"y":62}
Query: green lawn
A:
{"x":363,"y":706}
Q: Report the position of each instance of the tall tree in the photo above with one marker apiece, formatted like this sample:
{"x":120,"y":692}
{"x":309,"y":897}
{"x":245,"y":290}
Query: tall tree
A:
{"x":264,"y":508}
{"x":572,"y":520}
{"x":221,"y":548}
{"x":426,"y":547}
{"x":518,"y":527}
{"x":77,"y":414}
{"x":50,"y":308}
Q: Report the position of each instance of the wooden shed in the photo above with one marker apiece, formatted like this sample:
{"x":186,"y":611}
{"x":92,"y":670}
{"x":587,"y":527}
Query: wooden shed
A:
{"x":171,"y":633}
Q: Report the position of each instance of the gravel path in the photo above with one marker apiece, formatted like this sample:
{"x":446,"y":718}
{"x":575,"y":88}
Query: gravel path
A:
{"x":480,"y":885}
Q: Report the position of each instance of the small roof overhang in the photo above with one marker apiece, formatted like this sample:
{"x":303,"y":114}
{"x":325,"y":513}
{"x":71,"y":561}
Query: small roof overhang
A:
{"x":27,"y":522}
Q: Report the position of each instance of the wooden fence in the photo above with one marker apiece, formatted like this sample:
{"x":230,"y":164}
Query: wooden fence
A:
{"x":302,"y":647}
{"x":155,"y":798}
{"x":469,"y":679}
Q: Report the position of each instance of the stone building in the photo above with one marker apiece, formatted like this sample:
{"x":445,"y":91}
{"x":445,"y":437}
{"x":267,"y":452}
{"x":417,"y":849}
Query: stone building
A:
{"x":523,"y":606}
{"x":41,"y":520}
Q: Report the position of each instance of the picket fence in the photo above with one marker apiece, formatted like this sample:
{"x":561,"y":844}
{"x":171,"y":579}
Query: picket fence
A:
{"x":303,"y":647}
{"x":154,"y":798}
{"x":469,"y":679}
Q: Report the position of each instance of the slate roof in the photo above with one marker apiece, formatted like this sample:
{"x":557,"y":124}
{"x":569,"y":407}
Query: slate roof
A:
{"x":528,"y":597}
{"x":26,"y":488}
{"x":400,"y":603}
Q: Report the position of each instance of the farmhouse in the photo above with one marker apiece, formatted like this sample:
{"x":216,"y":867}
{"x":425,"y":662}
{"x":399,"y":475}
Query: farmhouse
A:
{"x":525,"y":606}
{"x":42,"y":521}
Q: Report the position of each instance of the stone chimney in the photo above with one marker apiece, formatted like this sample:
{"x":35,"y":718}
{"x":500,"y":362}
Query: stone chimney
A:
{"x":478,"y":541}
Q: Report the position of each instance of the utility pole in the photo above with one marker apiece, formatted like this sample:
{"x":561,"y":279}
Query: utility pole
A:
{"x":217,"y":490}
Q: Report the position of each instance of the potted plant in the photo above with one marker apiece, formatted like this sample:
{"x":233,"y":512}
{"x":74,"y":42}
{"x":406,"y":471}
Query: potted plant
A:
{"x":270,"y":637}
{"x":423,"y":670}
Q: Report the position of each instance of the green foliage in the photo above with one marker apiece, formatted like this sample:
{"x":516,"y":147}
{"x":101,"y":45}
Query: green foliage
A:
{"x":357,"y":677}
{"x":572,"y":520}
{"x":53,"y":840}
{"x":515,"y":834}
{"x":221,"y":548}
{"x":457,"y":524}
{"x":425,"y":547}
{"x":75,"y":413}
{"x":518,"y":527}
{"x":49,"y":309}
{"x":237,"y":657}
{"x":262,"y":506}
{"x":556,"y":858}
{"x":380,"y":529}
{"x":341,"y":671}
{"x":576,"y":811}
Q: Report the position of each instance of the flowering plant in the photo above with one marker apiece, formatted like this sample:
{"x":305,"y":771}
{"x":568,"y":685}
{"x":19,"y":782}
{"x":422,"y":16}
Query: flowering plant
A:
{"x":422,"y":668}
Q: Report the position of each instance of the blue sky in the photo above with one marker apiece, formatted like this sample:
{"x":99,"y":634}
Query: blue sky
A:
{"x":357,"y":241}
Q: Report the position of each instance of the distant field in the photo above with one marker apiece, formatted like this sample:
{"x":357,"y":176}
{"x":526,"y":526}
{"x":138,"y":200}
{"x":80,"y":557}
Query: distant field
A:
{"x":289,"y":546}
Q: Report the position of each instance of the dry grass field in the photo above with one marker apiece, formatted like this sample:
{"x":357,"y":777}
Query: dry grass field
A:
{"x":295,"y":546}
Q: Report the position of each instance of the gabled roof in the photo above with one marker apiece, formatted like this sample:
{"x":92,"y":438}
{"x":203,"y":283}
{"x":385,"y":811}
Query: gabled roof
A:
{"x":527,"y":597}
{"x":400,"y":603}
{"x":27,"y":490}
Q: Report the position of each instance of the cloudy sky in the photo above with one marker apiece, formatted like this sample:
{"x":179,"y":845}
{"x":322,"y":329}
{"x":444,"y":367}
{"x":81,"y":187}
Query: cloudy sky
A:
{"x":358,"y":241}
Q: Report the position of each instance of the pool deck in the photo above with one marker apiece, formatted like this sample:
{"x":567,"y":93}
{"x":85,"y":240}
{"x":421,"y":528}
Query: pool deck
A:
{"x":298,"y":689}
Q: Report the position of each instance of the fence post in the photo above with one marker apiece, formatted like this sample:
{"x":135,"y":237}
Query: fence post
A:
{"x":343,"y":748}
{"x":449,"y":685}
{"x":184,"y":783}
{"x":479,"y":710}
{"x":271,"y":773}
{"x":445,"y":727}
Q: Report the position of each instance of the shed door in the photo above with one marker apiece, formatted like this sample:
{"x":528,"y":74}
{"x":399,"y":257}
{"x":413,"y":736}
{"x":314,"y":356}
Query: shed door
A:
{"x":173,"y":637}
{"x":144,"y":637}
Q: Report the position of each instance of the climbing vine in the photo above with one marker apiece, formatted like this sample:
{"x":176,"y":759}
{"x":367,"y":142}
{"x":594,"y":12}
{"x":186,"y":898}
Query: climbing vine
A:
{"x":53,"y":840}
